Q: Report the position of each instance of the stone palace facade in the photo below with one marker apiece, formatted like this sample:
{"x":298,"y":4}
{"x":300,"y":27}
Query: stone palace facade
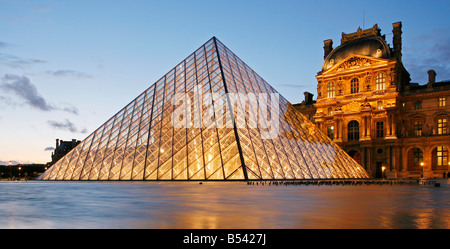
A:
{"x":366,"y":103}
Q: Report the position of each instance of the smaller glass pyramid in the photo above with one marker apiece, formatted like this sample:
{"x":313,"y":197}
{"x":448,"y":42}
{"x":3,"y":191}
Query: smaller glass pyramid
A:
{"x":210,"y":118}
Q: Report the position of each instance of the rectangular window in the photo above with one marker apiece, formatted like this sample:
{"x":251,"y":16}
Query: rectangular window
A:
{"x":330,"y":132}
{"x":442,"y":156}
{"x":380,"y":81}
{"x":418,"y":105}
{"x":354,"y":85}
{"x":417,"y":128}
{"x":380,"y":105}
{"x":330,"y":90}
{"x":441,"y":102}
{"x":442,"y":126}
{"x":380,"y":129}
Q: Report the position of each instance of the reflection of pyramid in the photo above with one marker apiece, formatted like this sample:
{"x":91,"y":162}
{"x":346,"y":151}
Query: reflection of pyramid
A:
{"x":141,"y":141}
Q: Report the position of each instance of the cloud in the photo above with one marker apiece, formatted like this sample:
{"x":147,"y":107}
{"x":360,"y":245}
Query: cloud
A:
{"x":66,"y":125}
{"x":431,"y":53}
{"x":293,"y":86}
{"x":49,"y":149}
{"x":5,"y":100}
{"x":2,"y":44}
{"x":71,"y":109}
{"x":22,"y":87}
{"x":69,"y":73}
{"x":15,"y":61}
{"x":6,"y":163}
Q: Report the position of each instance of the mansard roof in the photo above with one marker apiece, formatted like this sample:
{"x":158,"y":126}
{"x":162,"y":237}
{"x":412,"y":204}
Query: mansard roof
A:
{"x":367,"y":42}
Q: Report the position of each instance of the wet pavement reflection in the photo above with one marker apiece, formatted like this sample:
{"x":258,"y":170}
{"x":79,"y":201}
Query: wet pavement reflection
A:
{"x":221,"y":205}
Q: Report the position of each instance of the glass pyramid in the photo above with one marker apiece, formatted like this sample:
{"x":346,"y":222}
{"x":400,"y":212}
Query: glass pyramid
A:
{"x":220,"y":139}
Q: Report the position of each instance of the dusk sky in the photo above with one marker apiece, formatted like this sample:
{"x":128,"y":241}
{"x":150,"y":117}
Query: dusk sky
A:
{"x":66,"y":67}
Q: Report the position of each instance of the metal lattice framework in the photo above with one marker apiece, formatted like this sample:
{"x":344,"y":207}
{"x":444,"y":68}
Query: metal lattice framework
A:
{"x":141,"y":143}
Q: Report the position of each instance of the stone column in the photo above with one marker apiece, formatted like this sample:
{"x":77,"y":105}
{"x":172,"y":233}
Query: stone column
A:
{"x":393,"y":126}
{"x":403,"y":163}
{"x":395,"y":157}
{"x":363,"y":157}
{"x":366,"y":125}
{"x":388,"y":125}
{"x":369,"y":160}
{"x":427,"y":159}
{"x":335,"y":130}
{"x":389,"y":157}
{"x":363,"y":127}
{"x":338,"y":130}
{"x":369,"y":126}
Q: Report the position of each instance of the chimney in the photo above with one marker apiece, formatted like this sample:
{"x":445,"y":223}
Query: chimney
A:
{"x":308,"y":98}
{"x":327,"y":47}
{"x":57,"y":143}
{"x":431,"y":78}
{"x":397,"y":40}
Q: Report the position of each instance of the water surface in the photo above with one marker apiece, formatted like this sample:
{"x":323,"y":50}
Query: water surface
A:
{"x":38,"y":204}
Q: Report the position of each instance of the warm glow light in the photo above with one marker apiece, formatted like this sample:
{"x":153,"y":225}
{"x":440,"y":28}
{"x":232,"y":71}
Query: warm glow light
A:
{"x":383,"y":168}
{"x":422,"y":164}
{"x":286,"y":155}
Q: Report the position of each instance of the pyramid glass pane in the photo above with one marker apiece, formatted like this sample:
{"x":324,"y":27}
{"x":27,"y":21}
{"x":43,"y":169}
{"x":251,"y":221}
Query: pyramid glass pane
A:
{"x":198,"y":122}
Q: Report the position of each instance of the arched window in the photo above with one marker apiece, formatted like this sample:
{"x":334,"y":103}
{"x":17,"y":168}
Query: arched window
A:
{"x":417,"y":157}
{"x":353,"y":131}
{"x":380,"y":81}
{"x":330,"y":90}
{"x":354,"y":85}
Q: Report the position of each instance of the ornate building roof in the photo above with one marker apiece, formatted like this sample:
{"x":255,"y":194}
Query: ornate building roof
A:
{"x":366,"y":42}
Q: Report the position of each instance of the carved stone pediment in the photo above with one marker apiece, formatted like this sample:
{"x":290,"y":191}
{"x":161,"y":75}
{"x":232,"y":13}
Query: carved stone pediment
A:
{"x":355,"y":62}
{"x":352,"y":106}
